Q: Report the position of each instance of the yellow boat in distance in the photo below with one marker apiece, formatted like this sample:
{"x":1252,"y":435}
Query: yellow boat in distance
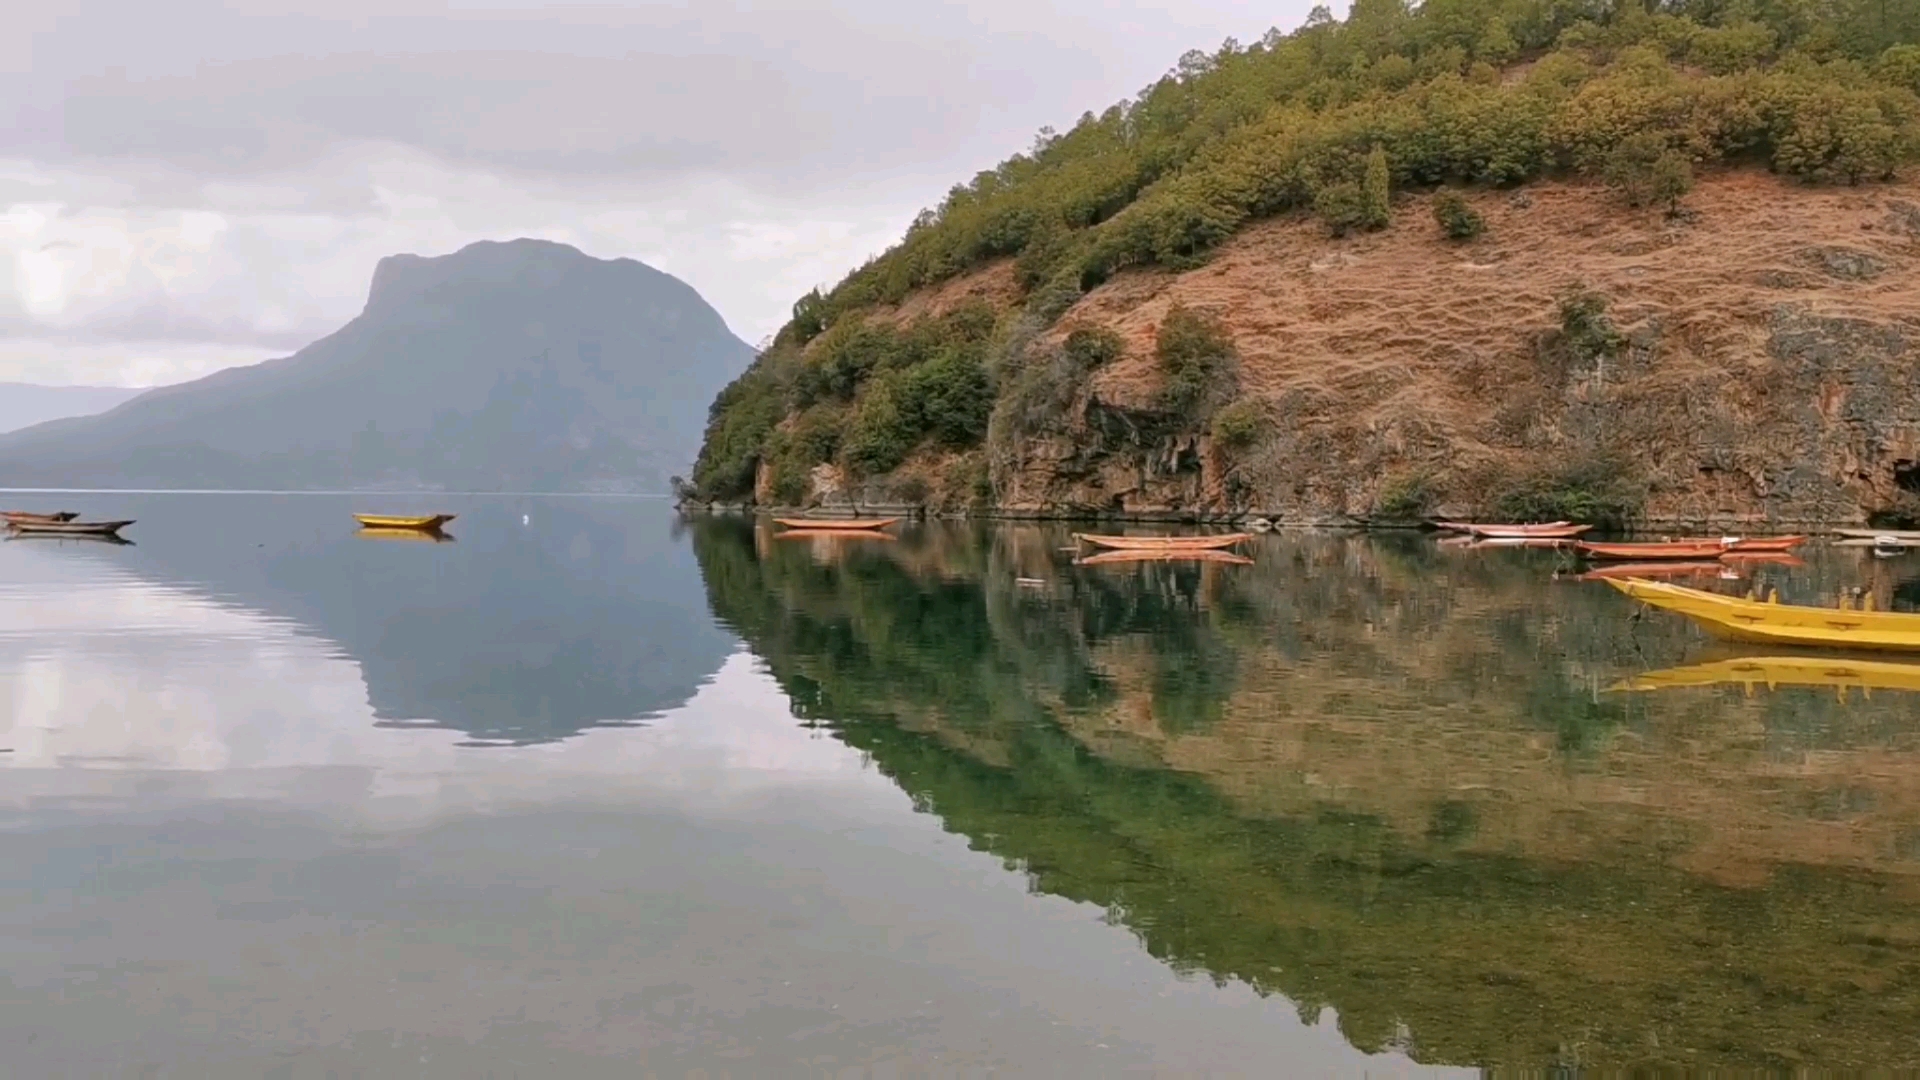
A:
{"x":418,"y":536}
{"x":427,"y":523}
{"x":1774,"y":623}
{"x":1773,"y":672}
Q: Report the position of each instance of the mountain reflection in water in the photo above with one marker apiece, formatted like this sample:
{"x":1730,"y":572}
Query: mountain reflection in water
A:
{"x":1372,"y":774}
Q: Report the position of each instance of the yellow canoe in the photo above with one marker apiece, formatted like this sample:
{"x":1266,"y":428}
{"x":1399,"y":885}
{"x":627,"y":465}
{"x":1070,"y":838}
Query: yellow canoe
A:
{"x":1739,"y":619}
{"x":1843,"y":673}
{"x":384,"y":521}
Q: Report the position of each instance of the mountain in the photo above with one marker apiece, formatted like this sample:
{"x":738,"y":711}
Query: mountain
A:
{"x":1650,"y":264}
{"x":24,"y":404}
{"x":519,"y":365}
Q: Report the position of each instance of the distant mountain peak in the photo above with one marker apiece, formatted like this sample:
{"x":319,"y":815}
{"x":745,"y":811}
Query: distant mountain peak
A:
{"x":522,"y":265}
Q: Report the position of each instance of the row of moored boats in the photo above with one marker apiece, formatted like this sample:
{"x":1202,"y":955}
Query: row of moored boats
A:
{"x":1851,"y":624}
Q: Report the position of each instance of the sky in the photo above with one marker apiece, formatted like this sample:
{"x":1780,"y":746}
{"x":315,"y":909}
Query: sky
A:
{"x":201,"y":183}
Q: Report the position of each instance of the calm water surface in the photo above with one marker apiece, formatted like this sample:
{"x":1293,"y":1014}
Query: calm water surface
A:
{"x":592,"y":792}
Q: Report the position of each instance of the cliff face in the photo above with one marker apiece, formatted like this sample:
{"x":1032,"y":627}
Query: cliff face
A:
{"x":1759,"y":366}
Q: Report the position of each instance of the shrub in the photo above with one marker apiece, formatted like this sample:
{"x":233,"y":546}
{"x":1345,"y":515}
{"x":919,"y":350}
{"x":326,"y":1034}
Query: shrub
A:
{"x":1197,"y":361}
{"x":1093,"y":347}
{"x":1405,"y":498}
{"x":1241,"y":424}
{"x":1457,"y":219}
{"x":1648,"y":172}
{"x":816,"y":434}
{"x":1342,"y":206}
{"x":1596,"y":492}
{"x":1585,"y":330}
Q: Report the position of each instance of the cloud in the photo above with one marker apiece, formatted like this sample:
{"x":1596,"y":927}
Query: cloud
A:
{"x":225,"y":173}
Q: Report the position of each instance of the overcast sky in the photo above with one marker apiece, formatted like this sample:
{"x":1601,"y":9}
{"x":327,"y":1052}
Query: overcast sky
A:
{"x":198,"y":183}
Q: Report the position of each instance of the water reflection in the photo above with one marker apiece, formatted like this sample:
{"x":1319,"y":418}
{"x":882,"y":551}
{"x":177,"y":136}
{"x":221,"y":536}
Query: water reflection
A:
{"x":552,"y":617}
{"x":1393,"y":779}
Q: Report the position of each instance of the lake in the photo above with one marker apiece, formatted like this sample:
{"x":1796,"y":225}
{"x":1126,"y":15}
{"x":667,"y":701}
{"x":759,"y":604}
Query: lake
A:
{"x":593,"y":791}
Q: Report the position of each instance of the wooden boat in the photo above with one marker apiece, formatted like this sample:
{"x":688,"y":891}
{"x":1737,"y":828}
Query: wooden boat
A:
{"x":1519,"y":541}
{"x":1670,"y":549}
{"x":1164,"y":543}
{"x":1528,"y":532}
{"x":1469,"y":526}
{"x":424,"y":536}
{"x":1775,"y":623}
{"x":837,"y":524}
{"x":69,"y":528}
{"x":833,"y":534}
{"x":1911,"y":536}
{"x":12,"y":516}
{"x":1842,"y":673}
{"x":427,"y":522}
{"x":1743,"y":545}
{"x":1205,"y":555}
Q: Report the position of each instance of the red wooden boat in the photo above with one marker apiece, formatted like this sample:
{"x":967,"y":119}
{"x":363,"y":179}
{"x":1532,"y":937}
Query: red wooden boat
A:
{"x":1469,"y":526}
{"x":1671,"y":549}
{"x":1754,"y":544}
{"x":1164,"y":543}
{"x":1528,"y":532}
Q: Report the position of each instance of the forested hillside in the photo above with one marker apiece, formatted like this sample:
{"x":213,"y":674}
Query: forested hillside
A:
{"x":1339,"y":122}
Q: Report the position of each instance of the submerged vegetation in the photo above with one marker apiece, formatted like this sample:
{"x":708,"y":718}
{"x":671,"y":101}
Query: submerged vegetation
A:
{"x":1330,"y":119}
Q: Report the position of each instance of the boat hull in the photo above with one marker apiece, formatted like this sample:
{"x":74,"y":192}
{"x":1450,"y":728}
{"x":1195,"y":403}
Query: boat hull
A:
{"x":1528,"y":532}
{"x":1841,"y":673}
{"x":1163,"y":543}
{"x":424,"y":523}
{"x":1910,"y":536}
{"x":837,"y":524}
{"x":1736,"y":619}
{"x":1692,"y":549}
{"x":20,"y":517}
{"x":68,"y":528}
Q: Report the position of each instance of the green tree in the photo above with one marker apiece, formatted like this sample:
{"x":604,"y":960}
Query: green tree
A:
{"x":1376,"y":190}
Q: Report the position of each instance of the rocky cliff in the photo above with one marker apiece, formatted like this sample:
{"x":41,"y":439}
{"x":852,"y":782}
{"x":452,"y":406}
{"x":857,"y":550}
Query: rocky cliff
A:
{"x":1747,"y":359}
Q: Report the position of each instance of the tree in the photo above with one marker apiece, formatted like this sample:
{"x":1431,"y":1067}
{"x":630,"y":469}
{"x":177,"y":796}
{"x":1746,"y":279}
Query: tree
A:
{"x":1376,"y":192}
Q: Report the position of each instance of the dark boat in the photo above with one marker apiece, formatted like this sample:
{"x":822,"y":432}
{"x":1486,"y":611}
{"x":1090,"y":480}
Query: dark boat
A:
{"x":68,"y":528}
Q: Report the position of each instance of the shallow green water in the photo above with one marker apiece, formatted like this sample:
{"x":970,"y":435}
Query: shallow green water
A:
{"x":591,"y":790}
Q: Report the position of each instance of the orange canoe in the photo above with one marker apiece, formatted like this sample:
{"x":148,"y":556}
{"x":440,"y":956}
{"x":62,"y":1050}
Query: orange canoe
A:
{"x":839,"y":524}
{"x":1742,"y":545}
{"x":1527,"y":532}
{"x":1671,"y":549}
{"x":21,"y":517}
{"x":1164,"y":543}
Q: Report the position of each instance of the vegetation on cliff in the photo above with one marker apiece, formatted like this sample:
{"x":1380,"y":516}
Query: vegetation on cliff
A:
{"x":1329,"y":120}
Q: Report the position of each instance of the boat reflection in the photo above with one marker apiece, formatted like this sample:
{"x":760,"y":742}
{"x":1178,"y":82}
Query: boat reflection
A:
{"x":1842,"y":673}
{"x":430,"y":536}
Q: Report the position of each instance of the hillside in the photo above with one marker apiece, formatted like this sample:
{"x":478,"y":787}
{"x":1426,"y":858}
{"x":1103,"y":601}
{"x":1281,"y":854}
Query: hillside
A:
{"x":1494,"y":257}
{"x":25,"y":404}
{"x":520,"y":365}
